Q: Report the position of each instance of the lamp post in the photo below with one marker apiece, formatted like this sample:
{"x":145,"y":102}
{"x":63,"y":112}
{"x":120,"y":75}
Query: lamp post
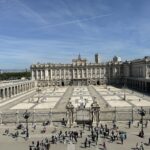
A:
{"x":26,"y":116}
{"x":141,"y":112}
{"x":17,"y":117}
{"x":50,"y":116}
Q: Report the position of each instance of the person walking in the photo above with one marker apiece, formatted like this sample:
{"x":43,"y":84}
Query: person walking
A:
{"x":137,"y":146}
{"x":149,"y":141}
{"x":80,"y":134}
{"x":129,"y":123}
{"x":104,"y":146}
{"x":121,"y":138}
{"x":141,"y":146}
{"x":85,"y":143}
{"x":89,"y":143}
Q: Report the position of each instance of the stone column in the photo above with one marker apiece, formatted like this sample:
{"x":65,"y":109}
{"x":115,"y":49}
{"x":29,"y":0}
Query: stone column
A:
{"x":8,"y":92}
{"x":73,"y":75}
{"x":37,"y":74}
{"x":46,"y":74}
{"x":33,"y":75}
{"x":51,"y":73}
{"x":59,"y":73}
{"x":91,"y":73}
{"x":22,"y":88}
{"x":25,"y":86}
{"x":1,"y":119}
{"x":83,"y":74}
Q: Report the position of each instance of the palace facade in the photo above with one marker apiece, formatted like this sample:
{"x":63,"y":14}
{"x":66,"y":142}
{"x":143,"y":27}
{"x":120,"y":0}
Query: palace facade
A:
{"x":78,"y":73}
{"x":135,"y":74}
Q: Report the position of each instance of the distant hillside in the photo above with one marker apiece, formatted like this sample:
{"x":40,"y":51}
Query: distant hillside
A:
{"x":15,"y":75}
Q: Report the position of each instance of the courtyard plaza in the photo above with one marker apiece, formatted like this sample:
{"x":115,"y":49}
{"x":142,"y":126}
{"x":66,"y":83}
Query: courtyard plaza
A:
{"x":56,"y":98}
{"x":8,"y":141}
{"x":45,"y":98}
{"x":116,"y":97}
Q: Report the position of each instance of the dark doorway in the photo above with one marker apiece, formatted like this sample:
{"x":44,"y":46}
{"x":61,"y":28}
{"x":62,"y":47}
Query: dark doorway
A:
{"x":98,"y":83}
{"x":148,"y":87}
{"x":62,"y":83}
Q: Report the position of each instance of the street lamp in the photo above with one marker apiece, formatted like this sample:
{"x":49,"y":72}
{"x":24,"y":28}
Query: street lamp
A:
{"x":141,"y":112}
{"x":26,"y":115}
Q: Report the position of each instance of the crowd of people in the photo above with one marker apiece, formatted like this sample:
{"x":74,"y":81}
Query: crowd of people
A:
{"x":93,"y":138}
{"x":89,"y":136}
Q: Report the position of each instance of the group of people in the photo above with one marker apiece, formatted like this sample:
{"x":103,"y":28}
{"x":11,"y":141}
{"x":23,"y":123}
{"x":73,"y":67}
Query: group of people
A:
{"x":93,"y":136}
{"x":58,"y":137}
{"x":104,"y":132}
{"x":40,"y":145}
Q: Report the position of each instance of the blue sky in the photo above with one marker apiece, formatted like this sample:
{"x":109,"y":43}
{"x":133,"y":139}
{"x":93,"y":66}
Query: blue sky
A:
{"x":57,"y":31}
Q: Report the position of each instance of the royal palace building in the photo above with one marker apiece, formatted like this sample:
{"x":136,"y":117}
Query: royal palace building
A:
{"x":135,"y":74}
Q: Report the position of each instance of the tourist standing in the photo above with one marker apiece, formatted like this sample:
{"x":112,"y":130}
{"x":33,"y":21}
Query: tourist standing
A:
{"x":104,"y":146}
{"x":129,"y":123}
{"x":137,"y":146}
{"x":149,"y":141}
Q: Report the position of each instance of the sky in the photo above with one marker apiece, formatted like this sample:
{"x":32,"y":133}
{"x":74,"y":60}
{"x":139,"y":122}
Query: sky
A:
{"x":56,"y":31}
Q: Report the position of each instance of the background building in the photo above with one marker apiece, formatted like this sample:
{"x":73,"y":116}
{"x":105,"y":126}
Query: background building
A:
{"x":134,"y":74}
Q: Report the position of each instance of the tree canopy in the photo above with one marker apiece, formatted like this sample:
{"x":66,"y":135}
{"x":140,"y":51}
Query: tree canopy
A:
{"x":15,"y":75}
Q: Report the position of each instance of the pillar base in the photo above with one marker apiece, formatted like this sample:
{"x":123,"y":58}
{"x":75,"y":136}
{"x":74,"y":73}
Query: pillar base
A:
{"x":94,"y":124}
{"x":68,"y":125}
{"x":74,"y":124}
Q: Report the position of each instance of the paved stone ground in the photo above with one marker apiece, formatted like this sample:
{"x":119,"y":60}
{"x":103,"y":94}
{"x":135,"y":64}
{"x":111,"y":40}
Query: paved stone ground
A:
{"x":110,"y":97}
{"x":114,"y":97}
{"x":9,"y":143}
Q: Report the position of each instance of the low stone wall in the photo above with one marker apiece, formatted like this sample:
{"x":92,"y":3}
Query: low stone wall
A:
{"x":105,"y":115}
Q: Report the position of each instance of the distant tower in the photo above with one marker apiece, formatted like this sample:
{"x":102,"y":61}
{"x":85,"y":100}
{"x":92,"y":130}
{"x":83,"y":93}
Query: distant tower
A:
{"x":116,"y":59}
{"x":79,"y":57}
{"x":96,"y":58}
